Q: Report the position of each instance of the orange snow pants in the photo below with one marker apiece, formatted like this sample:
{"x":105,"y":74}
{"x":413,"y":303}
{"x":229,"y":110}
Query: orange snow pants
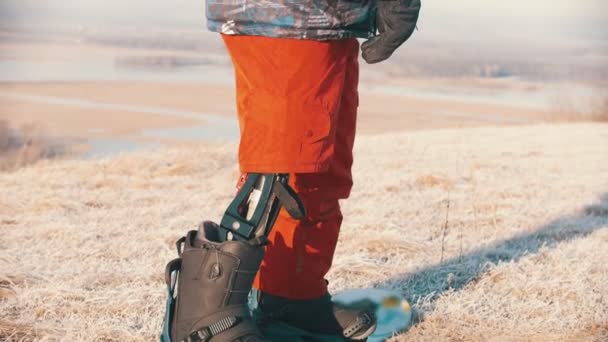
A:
{"x":297,"y":106}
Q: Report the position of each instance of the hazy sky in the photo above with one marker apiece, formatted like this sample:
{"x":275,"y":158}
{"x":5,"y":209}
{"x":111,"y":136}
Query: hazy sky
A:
{"x":450,"y":17}
{"x":546,"y":17}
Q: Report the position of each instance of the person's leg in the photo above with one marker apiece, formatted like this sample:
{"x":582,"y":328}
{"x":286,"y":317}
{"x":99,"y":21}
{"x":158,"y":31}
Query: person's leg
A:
{"x":300,"y":253}
{"x":297,"y":104}
{"x":315,"y":239}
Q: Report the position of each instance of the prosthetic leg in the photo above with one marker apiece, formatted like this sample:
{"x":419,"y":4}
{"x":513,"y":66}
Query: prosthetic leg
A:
{"x":208,"y":284}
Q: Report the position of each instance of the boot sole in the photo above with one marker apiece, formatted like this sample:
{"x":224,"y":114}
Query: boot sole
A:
{"x":280,"y":332}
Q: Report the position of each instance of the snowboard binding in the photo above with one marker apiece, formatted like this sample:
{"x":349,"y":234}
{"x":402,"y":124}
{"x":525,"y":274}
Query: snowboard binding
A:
{"x":209,"y":283}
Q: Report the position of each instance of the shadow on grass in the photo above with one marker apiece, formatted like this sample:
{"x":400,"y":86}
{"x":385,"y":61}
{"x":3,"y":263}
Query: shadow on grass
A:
{"x":455,"y":273}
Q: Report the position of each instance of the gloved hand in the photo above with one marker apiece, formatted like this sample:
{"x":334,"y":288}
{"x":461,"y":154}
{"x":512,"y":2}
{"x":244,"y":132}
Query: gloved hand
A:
{"x":396,"y":21}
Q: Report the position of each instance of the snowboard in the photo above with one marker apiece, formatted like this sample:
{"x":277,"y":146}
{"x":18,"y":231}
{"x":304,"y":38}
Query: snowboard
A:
{"x":393,"y":312}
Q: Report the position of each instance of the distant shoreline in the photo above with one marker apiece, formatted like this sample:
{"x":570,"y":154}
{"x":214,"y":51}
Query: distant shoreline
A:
{"x":121,"y":95}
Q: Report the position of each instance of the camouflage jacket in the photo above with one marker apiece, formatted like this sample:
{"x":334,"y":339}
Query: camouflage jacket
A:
{"x":301,"y":19}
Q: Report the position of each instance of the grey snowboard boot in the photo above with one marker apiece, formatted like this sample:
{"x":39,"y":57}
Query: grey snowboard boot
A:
{"x":318,"y":316}
{"x":213,"y":284}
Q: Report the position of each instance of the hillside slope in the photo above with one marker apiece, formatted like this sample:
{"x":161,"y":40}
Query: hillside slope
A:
{"x":521,"y":256}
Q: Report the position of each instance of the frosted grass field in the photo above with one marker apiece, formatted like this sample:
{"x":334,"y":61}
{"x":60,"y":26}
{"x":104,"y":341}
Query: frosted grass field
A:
{"x":521,"y":256}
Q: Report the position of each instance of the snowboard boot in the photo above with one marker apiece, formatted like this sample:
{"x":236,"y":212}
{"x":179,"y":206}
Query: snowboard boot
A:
{"x":318,"y":316}
{"x":213,"y":283}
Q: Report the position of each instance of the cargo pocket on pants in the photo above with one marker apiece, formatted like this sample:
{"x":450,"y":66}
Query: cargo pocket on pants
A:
{"x":281,"y":134}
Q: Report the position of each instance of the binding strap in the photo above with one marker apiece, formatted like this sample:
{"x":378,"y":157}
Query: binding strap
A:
{"x":270,"y":192}
{"x":205,"y":334}
{"x":289,"y":200}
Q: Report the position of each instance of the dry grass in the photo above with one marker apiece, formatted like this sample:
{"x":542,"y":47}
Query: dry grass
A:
{"x":430,"y":181}
{"x":601,"y":114}
{"x":18,"y":332}
{"x":568,"y":112}
{"x":25,"y":145}
{"x":83,"y":243}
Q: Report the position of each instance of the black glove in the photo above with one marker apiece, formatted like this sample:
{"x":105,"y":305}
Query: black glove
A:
{"x":396,"y":21}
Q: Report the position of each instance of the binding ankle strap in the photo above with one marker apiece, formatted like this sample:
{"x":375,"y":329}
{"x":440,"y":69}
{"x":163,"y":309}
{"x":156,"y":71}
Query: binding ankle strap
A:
{"x":205,"y":334}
